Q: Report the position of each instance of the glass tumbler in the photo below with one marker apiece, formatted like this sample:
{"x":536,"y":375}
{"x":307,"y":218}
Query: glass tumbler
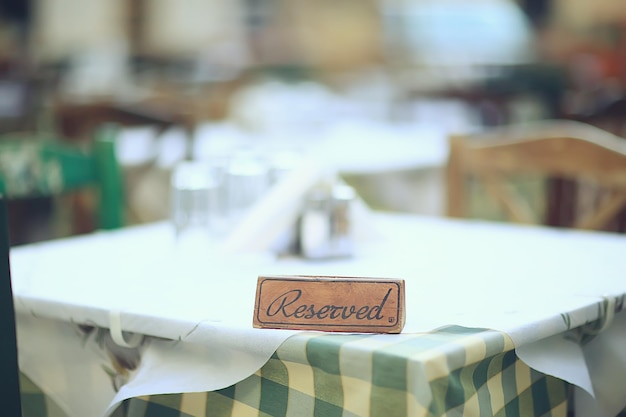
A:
{"x":246,"y":182}
{"x":195,"y":203}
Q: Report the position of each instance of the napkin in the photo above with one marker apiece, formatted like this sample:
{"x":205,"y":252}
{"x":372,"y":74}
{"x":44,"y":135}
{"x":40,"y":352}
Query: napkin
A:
{"x":596,"y":369}
{"x":67,"y":363}
{"x":196,"y":365}
{"x":267,"y":223}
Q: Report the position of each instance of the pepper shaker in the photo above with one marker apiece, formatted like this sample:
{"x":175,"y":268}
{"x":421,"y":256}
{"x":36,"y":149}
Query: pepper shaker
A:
{"x":326,"y":222}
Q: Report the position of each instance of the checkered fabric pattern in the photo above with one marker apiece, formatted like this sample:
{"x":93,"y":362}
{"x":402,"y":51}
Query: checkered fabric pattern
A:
{"x":454,"y":371}
{"x":35,"y":403}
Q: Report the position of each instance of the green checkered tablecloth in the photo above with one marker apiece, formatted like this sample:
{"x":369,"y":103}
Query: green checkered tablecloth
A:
{"x":454,"y":371}
{"x":35,"y":403}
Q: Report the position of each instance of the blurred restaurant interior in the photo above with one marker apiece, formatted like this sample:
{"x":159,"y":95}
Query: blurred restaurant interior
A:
{"x":378,"y":84}
{"x":325,"y":138}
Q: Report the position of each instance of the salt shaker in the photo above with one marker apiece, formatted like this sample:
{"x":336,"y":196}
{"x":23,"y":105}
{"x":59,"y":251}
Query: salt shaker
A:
{"x":326,"y":222}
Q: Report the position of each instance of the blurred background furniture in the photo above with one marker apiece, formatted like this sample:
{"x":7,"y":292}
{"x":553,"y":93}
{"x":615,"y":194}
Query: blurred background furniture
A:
{"x":606,"y":111}
{"x":77,"y":121}
{"x":500,"y":158}
{"x":37,"y":166}
{"x":444,"y":63}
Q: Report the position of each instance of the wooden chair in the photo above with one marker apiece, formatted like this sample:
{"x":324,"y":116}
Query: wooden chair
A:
{"x":498,"y":158}
{"x":33,"y":167}
{"x":609,"y":115}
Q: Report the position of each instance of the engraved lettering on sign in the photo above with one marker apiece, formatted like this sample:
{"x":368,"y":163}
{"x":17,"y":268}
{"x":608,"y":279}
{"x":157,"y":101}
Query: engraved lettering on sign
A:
{"x":284,"y":305}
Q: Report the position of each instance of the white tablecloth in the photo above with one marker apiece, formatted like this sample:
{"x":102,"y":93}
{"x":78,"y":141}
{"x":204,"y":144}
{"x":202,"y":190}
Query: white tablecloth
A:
{"x":530,"y":282}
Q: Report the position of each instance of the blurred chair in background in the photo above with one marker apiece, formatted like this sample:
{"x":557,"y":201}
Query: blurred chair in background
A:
{"x":607,"y":113}
{"x":77,"y":121}
{"x":510,"y":164}
{"x":36,"y":166}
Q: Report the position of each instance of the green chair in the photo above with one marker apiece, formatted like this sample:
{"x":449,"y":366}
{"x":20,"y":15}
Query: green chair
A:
{"x":50,"y":167}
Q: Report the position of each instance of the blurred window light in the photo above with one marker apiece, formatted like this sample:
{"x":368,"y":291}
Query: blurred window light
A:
{"x":458,"y":32}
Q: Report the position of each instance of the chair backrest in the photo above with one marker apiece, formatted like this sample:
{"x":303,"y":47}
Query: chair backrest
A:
{"x":9,"y":369}
{"x":47,"y":167}
{"x":548,"y":149}
{"x":607,"y":113}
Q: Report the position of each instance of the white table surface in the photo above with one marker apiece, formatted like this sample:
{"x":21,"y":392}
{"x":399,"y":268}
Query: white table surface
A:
{"x":456,"y":271}
{"x":520,"y":280}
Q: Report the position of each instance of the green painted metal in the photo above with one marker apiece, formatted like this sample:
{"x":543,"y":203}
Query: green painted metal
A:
{"x":41,"y":167}
{"x":110,"y":178}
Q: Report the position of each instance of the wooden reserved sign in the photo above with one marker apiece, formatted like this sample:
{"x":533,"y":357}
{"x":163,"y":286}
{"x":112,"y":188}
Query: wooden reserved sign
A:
{"x":334,"y":304}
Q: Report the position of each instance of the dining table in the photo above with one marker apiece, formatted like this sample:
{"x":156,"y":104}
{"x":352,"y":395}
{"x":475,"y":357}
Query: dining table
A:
{"x":501,"y":320}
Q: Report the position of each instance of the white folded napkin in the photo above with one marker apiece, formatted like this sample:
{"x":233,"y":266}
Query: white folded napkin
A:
{"x":276,"y":214}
